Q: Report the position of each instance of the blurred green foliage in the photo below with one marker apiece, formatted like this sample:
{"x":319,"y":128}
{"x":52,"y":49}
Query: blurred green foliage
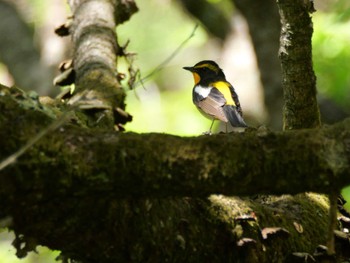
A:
{"x":331,"y":55}
{"x":164,"y":102}
{"x":8,"y":252}
{"x":346,"y":195}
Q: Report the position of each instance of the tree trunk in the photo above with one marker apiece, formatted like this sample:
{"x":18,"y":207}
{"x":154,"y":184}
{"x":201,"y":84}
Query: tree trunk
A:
{"x":95,"y":57}
{"x":212,"y":18}
{"x":264,"y":27}
{"x":20,"y":55}
{"x":299,"y":80}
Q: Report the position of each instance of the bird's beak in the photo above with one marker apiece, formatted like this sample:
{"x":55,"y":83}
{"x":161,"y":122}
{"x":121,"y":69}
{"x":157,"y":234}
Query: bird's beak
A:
{"x":196,"y":76}
{"x":189,"y":68}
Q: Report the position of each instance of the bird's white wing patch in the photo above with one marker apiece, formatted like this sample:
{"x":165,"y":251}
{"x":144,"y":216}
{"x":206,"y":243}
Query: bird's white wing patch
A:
{"x":202,"y":91}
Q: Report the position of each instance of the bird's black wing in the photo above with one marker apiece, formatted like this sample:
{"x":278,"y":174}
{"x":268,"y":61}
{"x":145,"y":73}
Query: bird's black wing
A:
{"x":236,"y":100}
{"x":234,"y":116}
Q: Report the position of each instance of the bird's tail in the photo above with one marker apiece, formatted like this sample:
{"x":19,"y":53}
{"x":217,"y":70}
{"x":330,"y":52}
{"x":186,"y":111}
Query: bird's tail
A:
{"x":233,"y":116}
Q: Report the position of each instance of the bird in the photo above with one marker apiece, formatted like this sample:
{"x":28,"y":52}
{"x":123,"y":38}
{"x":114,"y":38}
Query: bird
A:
{"x":214,"y":96}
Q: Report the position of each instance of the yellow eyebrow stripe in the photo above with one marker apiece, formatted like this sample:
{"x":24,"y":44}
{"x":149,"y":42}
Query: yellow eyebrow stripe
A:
{"x":209,"y":66}
{"x":224,"y":89}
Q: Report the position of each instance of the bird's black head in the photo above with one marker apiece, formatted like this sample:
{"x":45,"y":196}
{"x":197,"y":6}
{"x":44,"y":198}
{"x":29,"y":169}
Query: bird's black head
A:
{"x":206,"y":71}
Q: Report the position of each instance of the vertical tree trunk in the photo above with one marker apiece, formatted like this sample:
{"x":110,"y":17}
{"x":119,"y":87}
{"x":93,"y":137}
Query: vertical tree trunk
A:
{"x":299,"y":83}
{"x":18,"y":52}
{"x":299,"y":80}
{"x":264,"y":27}
{"x":95,"y":56}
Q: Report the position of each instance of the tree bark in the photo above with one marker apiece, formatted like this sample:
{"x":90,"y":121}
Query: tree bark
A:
{"x":299,"y":85}
{"x":299,"y":80}
{"x":161,"y":165}
{"x":95,"y":57}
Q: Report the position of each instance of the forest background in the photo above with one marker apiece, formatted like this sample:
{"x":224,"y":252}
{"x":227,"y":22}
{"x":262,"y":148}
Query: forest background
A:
{"x":163,"y":102}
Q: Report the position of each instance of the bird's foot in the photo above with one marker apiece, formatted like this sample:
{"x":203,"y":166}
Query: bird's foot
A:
{"x":207,"y":133}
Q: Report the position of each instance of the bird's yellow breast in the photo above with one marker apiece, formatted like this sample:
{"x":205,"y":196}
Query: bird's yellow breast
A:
{"x":224,"y":89}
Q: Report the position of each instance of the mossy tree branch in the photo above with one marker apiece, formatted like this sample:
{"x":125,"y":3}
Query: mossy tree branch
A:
{"x":160,"y":165}
{"x":156,"y":165}
{"x":72,"y":181}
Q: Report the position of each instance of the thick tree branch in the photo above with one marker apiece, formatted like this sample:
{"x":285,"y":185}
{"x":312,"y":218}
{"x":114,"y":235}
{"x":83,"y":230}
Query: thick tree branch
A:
{"x":124,"y":194}
{"x":160,"y":165}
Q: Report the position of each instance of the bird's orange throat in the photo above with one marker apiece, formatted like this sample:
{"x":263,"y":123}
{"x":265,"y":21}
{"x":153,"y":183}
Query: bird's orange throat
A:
{"x":196,"y":77}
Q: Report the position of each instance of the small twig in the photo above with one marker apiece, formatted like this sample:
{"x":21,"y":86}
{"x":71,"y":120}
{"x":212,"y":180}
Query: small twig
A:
{"x":333,"y":205}
{"x":168,"y":59}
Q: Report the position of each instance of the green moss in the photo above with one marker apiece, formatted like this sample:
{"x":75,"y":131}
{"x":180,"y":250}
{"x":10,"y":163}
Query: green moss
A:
{"x":296,"y":214}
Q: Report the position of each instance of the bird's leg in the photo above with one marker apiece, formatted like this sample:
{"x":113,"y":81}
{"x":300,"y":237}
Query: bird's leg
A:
{"x":211,"y":126}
